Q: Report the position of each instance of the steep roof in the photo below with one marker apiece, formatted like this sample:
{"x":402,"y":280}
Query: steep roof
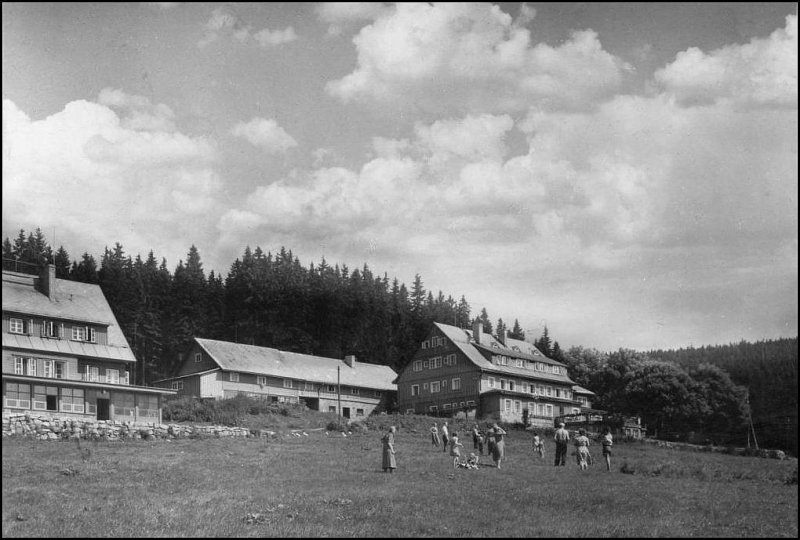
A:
{"x":463,"y":339}
{"x":273,"y":362}
{"x":581,"y":390}
{"x":72,"y":301}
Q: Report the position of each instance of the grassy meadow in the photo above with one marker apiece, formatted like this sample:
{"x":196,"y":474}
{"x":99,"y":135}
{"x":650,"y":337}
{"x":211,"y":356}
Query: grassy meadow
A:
{"x":333,"y":486}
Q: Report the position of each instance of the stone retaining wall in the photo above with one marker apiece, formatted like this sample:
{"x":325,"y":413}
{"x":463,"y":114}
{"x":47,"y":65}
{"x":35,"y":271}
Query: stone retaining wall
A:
{"x":54,"y":428}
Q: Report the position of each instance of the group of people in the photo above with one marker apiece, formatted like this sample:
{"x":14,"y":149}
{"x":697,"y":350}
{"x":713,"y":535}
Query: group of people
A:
{"x":582,"y":443}
{"x":493,"y":438}
{"x":495,"y":444}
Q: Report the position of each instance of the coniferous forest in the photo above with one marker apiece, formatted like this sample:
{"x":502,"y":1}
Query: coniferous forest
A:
{"x":713,"y":394}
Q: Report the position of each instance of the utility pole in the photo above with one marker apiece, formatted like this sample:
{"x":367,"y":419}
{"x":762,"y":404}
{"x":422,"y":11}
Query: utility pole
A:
{"x":339,"y":391}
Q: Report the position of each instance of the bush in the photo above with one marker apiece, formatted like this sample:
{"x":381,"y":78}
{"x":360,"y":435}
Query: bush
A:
{"x":791,"y":479}
{"x":335,"y":426}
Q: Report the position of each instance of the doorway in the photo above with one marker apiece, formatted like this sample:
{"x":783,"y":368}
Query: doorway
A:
{"x":103,"y":409}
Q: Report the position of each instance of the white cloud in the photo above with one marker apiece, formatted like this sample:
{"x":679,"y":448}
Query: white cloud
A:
{"x":265,"y":134}
{"x":462,"y":58}
{"x":113,"y":177}
{"x":224,"y":23}
{"x":340,"y":15}
{"x":761,"y":73}
{"x":161,"y":5}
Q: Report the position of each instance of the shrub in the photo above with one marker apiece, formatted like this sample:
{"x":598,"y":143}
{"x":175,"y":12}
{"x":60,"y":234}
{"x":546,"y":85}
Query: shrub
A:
{"x":791,"y":479}
{"x":335,"y":426}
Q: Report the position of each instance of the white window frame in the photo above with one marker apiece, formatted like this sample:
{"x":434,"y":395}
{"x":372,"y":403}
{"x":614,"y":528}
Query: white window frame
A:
{"x":16,"y":326}
{"x":548,"y":410}
{"x":446,"y":406}
{"x":426,"y":344}
{"x":409,"y":411}
{"x":177,"y":385}
{"x":112,"y":376}
{"x":507,"y":405}
{"x":92,"y":374}
{"x":433,"y":408}
{"x":233,"y":376}
{"x":79,"y":333}
{"x":60,"y":370}
{"x":511,"y":386}
{"x":198,"y":357}
{"x":92,"y":334}
{"x":435,"y":387}
{"x":377,"y":393}
{"x":48,"y":368}
{"x":261,"y":379}
{"x":456,"y":384}
{"x":517,"y":406}
{"x":490,"y":382}
{"x":502,"y":384}
{"x":287,"y":383}
{"x":30,"y":367}
{"x":19,"y":365}
{"x":436,"y":362}
{"x":414,"y":390}
{"x":417,"y":365}
{"x":355,"y":391}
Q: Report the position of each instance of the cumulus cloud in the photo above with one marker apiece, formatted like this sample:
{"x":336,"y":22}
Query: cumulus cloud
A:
{"x":225,"y":24}
{"x":265,"y":134}
{"x":340,"y":15}
{"x":761,"y":73}
{"x":115,"y":175}
{"x":462,"y":58}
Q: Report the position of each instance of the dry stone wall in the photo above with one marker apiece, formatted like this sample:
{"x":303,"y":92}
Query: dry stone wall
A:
{"x":54,"y":428}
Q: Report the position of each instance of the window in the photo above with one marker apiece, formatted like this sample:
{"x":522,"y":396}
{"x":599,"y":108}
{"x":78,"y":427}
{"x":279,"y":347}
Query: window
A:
{"x":436,"y":362}
{"x":424,"y":386}
{"x":418,"y":365}
{"x":123,"y":404}
{"x":355,"y":391}
{"x":377,"y":393}
{"x":47,"y":368}
{"x":435,"y":387}
{"x":470,"y":403}
{"x":549,"y":390}
{"x":16,"y":326}
{"x":426,"y":344}
{"x":359,"y":412}
{"x":517,"y":406}
{"x":511,"y":385}
{"x":287,"y":383}
{"x":92,"y":374}
{"x":234,"y":377}
{"x":92,"y":335}
{"x":451,"y":359}
{"x":519,"y":362}
{"x":502,"y":384}
{"x":444,"y":383}
{"x":309,"y":386}
{"x":456,"y":384}
{"x":198,"y":357}
{"x":446,"y":406}
{"x":72,"y":400}
{"x":50,"y":329}
{"x":434,"y":341}
{"x":262,"y":380}
{"x":61,"y":370}
{"x":424,"y":363}
{"x":490,"y":381}
{"x":409,"y":411}
{"x":45,"y":398}
{"x":31,"y":363}
{"x":177,"y":385}
{"x":414,"y":389}
{"x":575,"y":410}
{"x":19,"y":365}
{"x":18,"y":395}
{"x":331,"y":388}
{"x":79,"y":333}
{"x":112,"y":376}
{"x":433,"y":408}
{"x":507,"y":404}
{"x":331,"y":408}
{"x":548,"y":410}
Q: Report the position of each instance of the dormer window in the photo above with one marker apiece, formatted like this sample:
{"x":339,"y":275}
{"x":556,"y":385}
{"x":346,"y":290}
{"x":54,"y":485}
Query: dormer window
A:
{"x":16,"y":326}
{"x":51,"y":329}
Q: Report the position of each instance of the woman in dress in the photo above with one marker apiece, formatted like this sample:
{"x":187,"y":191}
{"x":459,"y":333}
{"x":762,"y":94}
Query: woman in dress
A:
{"x":499,"y":448}
{"x":435,"y":435}
{"x":582,"y":447}
{"x":389,"y":462}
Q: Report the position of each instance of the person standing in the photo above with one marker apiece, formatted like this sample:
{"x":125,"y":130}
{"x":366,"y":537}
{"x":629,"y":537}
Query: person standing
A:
{"x":445,"y":436}
{"x":489,"y":440}
{"x":455,"y":449}
{"x":582,"y":449}
{"x":435,"y":435}
{"x":538,"y":445}
{"x":562,"y":443}
{"x":476,"y":435}
{"x":389,"y":461}
{"x":607,"y":442}
{"x":499,"y":449}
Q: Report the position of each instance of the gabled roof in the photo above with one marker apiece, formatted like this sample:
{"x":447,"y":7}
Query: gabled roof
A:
{"x":288,"y":365}
{"x":72,"y":301}
{"x":581,"y":390}
{"x":463,"y":339}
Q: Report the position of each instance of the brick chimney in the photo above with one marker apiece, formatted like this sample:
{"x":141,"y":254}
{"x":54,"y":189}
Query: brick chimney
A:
{"x":501,"y":336}
{"x":350,"y":360}
{"x":477,"y":330}
{"x":47,"y":281}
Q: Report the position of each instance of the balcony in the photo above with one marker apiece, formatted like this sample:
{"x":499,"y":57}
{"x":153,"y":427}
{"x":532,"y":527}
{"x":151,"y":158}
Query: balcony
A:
{"x":103,"y":380}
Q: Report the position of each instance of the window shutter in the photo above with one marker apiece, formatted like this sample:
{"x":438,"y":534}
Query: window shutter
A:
{"x":29,"y":330}
{"x":43,"y":330}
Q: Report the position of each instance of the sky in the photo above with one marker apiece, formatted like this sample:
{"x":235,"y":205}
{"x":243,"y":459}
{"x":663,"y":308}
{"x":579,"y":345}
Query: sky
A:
{"x":625,"y":174}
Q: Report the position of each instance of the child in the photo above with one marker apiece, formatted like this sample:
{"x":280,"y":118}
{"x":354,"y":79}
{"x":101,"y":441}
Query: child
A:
{"x":538,"y":445}
{"x":481,"y":440}
{"x":455,"y":450}
{"x":607,"y":444}
{"x":582,"y":449}
{"x":472,"y":461}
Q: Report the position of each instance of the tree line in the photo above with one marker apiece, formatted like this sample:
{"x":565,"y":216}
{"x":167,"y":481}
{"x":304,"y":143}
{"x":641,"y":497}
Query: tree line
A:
{"x":708,"y":394}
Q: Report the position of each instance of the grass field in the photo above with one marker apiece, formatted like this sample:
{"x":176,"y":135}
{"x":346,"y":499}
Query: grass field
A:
{"x":320,"y":486}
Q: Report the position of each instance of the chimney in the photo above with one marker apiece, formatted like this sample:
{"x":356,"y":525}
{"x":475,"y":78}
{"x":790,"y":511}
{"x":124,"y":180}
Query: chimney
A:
{"x":47,"y":281}
{"x":350,"y":360}
{"x":501,"y":336}
{"x":477,"y":330}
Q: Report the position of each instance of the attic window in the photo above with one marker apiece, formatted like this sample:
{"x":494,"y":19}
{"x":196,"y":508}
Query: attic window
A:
{"x":16,"y":326}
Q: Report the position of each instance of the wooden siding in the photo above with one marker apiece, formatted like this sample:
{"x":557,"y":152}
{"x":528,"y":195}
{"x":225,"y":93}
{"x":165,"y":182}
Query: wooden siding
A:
{"x":75,"y":369}
{"x":190,"y":366}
